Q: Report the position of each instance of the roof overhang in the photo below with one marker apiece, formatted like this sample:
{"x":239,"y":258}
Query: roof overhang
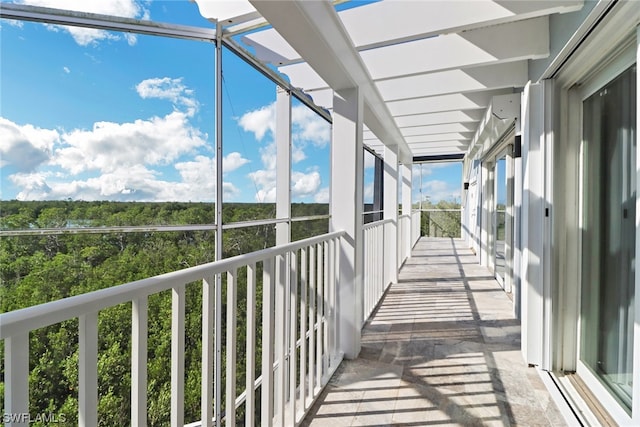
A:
{"x":427,"y":70}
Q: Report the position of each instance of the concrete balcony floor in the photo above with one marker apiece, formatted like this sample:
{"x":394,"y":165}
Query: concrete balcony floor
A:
{"x":443,"y":348}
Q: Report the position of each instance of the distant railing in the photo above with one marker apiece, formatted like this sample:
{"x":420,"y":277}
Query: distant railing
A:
{"x":501,"y":218}
{"x":441,"y":222}
{"x":299,"y":336}
{"x":404,"y":238}
{"x":376,"y":277}
{"x":415,"y":227}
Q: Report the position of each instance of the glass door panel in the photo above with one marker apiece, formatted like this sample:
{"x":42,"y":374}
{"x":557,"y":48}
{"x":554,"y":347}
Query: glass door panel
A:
{"x":608,"y":239}
{"x":500,"y":207}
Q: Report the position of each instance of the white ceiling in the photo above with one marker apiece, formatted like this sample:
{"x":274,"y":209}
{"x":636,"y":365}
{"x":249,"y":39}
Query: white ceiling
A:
{"x":427,"y":69}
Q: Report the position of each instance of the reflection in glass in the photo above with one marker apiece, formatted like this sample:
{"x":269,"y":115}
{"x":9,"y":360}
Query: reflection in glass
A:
{"x":501,"y":214}
{"x":608,"y":248}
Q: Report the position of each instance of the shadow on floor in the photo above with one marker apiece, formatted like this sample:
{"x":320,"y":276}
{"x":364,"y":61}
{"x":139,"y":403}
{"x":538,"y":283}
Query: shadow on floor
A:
{"x":442,"y":348}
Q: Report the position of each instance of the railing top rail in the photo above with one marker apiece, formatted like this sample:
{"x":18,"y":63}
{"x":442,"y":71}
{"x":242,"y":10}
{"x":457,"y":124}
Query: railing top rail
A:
{"x":38,"y":316}
{"x":377,"y":223}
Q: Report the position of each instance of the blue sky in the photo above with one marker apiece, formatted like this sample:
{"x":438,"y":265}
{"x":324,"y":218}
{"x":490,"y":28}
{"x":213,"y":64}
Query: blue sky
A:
{"x":95,"y":115}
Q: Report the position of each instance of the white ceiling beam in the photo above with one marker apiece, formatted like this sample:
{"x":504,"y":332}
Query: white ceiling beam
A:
{"x":453,"y":136}
{"x":500,"y":43}
{"x":438,"y":129}
{"x":436,"y":152}
{"x":474,"y":79}
{"x":227,"y":11}
{"x":468,"y":116}
{"x":453,"y":102}
{"x":440,"y":144}
{"x":315,"y":31}
{"x":383,"y":23}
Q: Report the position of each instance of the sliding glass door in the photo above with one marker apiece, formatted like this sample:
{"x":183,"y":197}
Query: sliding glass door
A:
{"x":500,"y":217}
{"x":608,"y":234}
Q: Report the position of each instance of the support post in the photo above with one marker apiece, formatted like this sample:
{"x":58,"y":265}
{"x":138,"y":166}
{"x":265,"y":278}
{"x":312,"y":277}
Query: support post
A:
{"x":346,"y":205}
{"x":391,"y":211}
{"x":406,"y":205}
{"x":283,"y":165}
{"x":217,"y":369}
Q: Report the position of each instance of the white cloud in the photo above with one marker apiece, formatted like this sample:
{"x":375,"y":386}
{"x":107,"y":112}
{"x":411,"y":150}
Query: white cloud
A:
{"x":118,"y":161}
{"x":34,"y":186}
{"x":268,"y":156}
{"x":260,"y":121}
{"x":369,"y":160}
{"x":368,"y":193}
{"x":265,"y":182}
{"x":233,"y":161}
{"x":66,"y":70}
{"x":170,"y":89}
{"x":304,"y":184}
{"x":109,"y":146}
{"x":13,"y":23}
{"x":88,"y":36}
{"x":25,"y":147}
{"x":127,"y":184}
{"x":322,"y":196}
{"x":438,"y":190}
{"x":308,"y":126}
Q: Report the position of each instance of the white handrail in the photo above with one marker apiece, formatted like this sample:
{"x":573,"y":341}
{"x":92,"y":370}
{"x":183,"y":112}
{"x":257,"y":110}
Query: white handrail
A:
{"x":377,"y":223}
{"x":39,"y":316}
{"x":285,"y":399}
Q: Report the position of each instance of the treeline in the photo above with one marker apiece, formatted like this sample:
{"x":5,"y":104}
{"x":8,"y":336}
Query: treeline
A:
{"x":442,"y":219}
{"x":35,"y":269}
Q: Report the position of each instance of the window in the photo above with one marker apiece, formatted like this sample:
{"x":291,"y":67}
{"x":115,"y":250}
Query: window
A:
{"x":608,"y":234}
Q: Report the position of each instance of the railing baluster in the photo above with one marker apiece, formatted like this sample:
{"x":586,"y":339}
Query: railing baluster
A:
{"x":88,"y":370}
{"x":319,"y":315}
{"x":312,"y":320}
{"x":208,"y":355}
{"x":250,"y":405}
{"x":366,"y":275}
{"x":230,"y":406}
{"x":327,"y":312}
{"x":336,"y":317}
{"x":16,"y":376}
{"x":294,"y":284}
{"x":281,"y":349}
{"x":336,"y":281}
{"x":293,"y":337}
{"x":217,"y":343}
{"x":268,"y":314}
{"x":303,"y":328}
{"x":177,"y":356}
{"x":332,"y":284}
{"x":139,"y":362}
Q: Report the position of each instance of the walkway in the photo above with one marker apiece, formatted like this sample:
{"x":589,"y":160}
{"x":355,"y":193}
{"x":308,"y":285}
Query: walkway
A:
{"x":442,"y":349}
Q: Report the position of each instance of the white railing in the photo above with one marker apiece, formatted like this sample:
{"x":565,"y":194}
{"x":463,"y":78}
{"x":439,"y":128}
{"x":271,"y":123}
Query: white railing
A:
{"x":443,"y":222}
{"x":299,"y":336}
{"x":415,"y":227}
{"x":404,"y":238}
{"x":376,"y":278}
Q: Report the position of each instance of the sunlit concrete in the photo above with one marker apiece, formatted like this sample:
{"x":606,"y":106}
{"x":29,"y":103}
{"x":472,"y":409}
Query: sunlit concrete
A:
{"x":443,"y":348}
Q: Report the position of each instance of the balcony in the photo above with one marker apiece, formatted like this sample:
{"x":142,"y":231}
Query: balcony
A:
{"x":441,"y":345}
{"x":441,"y":348}
{"x":361,"y":321}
